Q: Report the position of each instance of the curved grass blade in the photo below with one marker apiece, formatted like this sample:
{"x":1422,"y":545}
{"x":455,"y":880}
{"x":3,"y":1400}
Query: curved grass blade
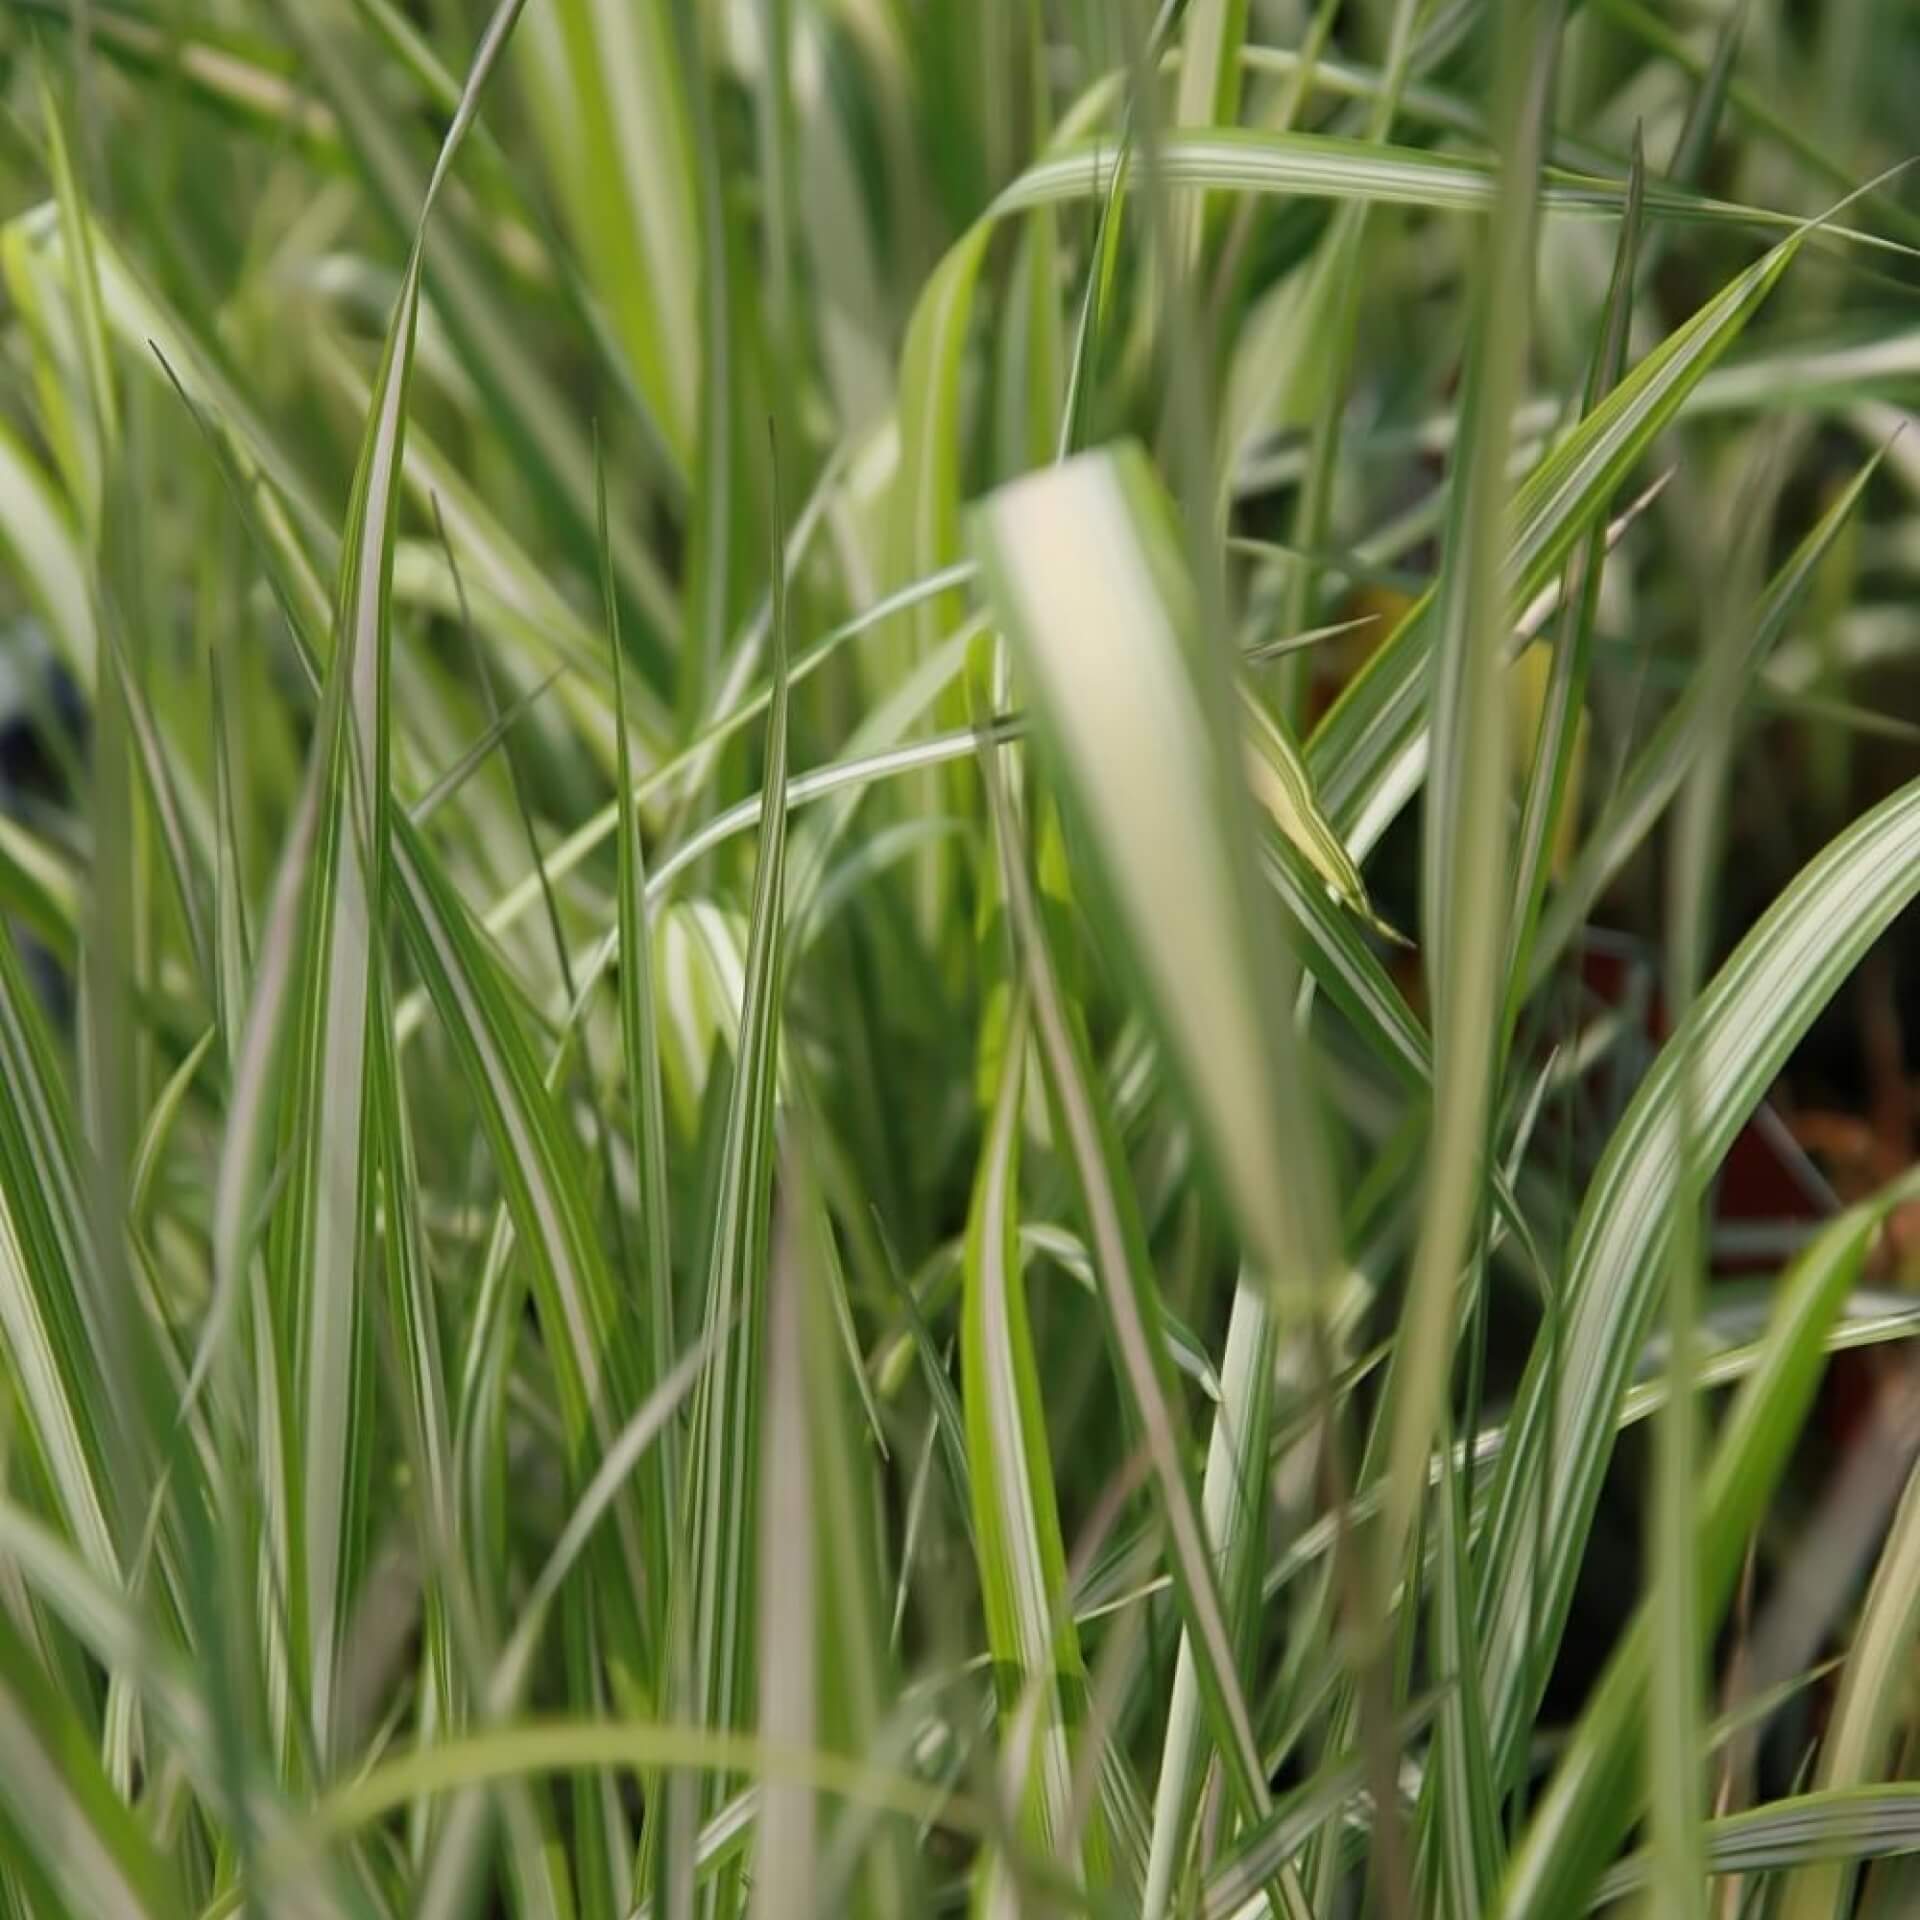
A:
{"x":594,"y":831}
{"x":1364,"y":756}
{"x":1592,"y":1796}
{"x":1737,"y":1035}
{"x":1330,"y":167}
{"x":1841,"y":1825}
{"x":1855,"y":1746}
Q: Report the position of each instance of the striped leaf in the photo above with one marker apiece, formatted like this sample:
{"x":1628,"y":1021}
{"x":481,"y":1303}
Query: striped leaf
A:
{"x":1592,"y":1797}
{"x":1737,"y":1035}
{"x":1368,"y":755}
{"x":1130,"y":1300}
{"x":609,"y":85}
{"x":324,"y":1221}
{"x":1234,"y":1502}
{"x":1039,"y":1678}
{"x":721,"y":1494}
{"x":1079,"y":563}
{"x":58,"y":1810}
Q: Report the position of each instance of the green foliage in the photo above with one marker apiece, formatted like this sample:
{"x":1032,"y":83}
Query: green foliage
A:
{"x":802,"y":807}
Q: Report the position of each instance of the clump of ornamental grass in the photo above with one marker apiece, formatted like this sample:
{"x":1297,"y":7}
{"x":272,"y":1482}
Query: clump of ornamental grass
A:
{"x":801,"y":1102}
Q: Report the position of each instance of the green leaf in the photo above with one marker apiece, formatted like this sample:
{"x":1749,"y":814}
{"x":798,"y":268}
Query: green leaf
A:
{"x":609,"y":89}
{"x":1592,"y":1797}
{"x":722,"y":1484}
{"x":646,"y":1119}
{"x":1368,"y":754}
{"x":1738,"y":1034}
{"x":1131,"y":1304}
{"x":1854,"y":1748}
{"x":1840,"y":1825}
{"x":1661,"y":765}
{"x":60,"y":1810}
{"x":1040,"y":1679}
{"x":1081,"y":566}
{"x":1233,"y":1502}
{"x":1327,"y":166}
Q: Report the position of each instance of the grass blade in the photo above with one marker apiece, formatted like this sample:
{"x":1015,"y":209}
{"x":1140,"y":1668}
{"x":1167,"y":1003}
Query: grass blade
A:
{"x":1591,"y":1798}
{"x":1130,"y":1299}
{"x":1741,"y":1028}
{"x":1039,"y":1678}
{"x":1080,"y":563}
{"x":722,"y":1483}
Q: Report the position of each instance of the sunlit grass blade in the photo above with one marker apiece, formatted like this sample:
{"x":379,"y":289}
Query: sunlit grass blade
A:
{"x":1328,"y":166}
{"x":1278,"y":774}
{"x":1854,"y":1749}
{"x":1082,"y":566}
{"x":609,"y":87}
